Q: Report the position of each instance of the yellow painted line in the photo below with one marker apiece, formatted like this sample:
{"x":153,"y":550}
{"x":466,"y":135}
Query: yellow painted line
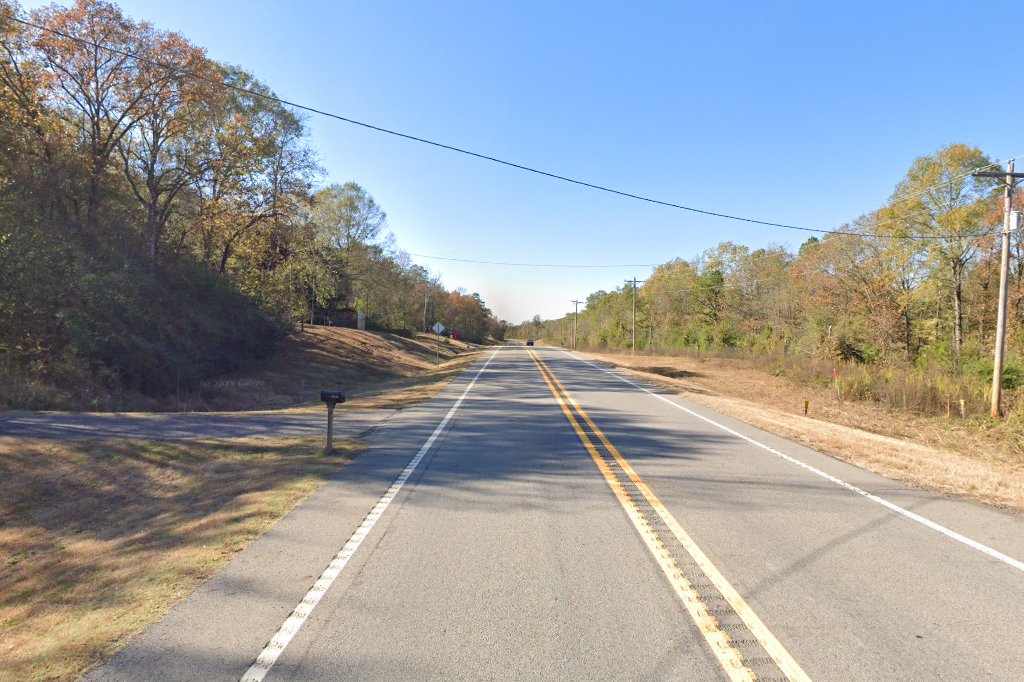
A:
{"x":786,"y":663}
{"x":727,"y":655}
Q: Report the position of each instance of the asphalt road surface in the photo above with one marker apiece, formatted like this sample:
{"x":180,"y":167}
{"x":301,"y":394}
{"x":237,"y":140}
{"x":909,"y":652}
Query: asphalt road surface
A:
{"x":544,"y":518}
{"x":189,"y":425}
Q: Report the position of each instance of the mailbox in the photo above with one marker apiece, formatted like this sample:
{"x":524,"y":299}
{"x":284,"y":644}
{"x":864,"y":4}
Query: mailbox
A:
{"x":332,"y":398}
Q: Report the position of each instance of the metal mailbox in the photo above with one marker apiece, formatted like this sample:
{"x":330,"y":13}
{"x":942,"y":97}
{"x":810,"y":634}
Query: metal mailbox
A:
{"x":332,"y":397}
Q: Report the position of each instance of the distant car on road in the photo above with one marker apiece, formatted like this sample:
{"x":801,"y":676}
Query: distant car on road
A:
{"x":529,"y":342}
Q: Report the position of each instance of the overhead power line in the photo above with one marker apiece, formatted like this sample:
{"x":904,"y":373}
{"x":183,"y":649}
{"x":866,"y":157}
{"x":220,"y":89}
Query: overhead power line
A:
{"x":467,"y":152}
{"x":536,"y":265}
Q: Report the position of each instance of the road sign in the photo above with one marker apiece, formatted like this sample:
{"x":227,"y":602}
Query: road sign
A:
{"x":438,"y":327}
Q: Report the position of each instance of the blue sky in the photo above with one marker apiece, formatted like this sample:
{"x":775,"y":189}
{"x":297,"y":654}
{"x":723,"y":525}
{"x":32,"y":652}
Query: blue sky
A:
{"x":806,"y":113}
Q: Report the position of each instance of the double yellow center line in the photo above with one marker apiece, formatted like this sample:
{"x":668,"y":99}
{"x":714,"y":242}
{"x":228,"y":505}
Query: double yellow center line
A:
{"x":763,"y":650}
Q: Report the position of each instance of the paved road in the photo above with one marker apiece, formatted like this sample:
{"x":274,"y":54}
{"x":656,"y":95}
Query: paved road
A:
{"x":554,"y":521}
{"x":171,"y":425}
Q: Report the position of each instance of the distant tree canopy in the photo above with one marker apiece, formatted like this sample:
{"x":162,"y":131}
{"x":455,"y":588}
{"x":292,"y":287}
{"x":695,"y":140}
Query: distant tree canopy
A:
{"x":912,"y":284}
{"x":159,"y":216}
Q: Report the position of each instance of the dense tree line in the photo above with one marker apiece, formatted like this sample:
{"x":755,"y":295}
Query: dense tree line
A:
{"x":911,"y":286}
{"x":159,"y":215}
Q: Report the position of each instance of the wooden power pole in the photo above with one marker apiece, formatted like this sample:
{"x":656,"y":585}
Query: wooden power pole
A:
{"x":576,"y":317}
{"x":633,"y":346}
{"x":426,"y":294}
{"x":1004,"y":266}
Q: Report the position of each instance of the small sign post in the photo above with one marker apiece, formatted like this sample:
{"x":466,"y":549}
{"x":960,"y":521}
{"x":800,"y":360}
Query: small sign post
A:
{"x":438,"y":328}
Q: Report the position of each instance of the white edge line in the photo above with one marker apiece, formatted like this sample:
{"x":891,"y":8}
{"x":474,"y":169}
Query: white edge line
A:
{"x":273,"y":650}
{"x":952,"y":534}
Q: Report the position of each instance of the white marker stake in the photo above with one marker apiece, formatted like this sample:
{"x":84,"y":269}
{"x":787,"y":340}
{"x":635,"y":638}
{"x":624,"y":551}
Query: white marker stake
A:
{"x":273,"y":650}
{"x":952,"y":534}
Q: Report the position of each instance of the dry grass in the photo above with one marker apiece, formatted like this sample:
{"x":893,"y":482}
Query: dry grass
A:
{"x":375,"y":369}
{"x":361,"y":363}
{"x":971,"y":459}
{"x":100,"y":538}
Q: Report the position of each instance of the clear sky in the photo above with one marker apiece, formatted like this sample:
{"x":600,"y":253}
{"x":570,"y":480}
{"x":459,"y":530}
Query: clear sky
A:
{"x":805,"y":113}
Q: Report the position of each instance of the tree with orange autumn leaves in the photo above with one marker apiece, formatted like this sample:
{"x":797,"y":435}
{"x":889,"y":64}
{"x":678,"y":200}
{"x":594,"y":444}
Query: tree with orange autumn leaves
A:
{"x":159,"y":217}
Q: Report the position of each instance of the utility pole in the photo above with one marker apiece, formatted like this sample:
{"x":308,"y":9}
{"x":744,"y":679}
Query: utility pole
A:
{"x":1004,"y":266}
{"x":312,"y":301}
{"x":633,"y":346}
{"x":426,"y":293}
{"x":575,"y":319}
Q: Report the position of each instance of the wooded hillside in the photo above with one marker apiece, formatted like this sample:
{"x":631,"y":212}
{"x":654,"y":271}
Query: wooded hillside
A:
{"x":160,"y":219}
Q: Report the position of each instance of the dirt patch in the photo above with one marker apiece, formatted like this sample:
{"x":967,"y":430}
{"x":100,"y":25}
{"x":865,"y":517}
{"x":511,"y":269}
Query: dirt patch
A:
{"x":673,"y":372}
{"x":970,"y":459}
{"x":100,"y":538}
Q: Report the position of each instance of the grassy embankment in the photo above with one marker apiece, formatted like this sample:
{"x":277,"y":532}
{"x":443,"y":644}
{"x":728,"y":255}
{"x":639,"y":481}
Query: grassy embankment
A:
{"x":374,"y":369}
{"x":972,"y":458}
{"x":99,"y":538}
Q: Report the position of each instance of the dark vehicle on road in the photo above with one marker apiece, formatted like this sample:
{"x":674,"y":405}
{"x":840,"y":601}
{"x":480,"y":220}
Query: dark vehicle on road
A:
{"x":529,"y":342}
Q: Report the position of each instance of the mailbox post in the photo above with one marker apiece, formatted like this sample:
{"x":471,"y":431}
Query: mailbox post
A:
{"x":331,"y":398}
